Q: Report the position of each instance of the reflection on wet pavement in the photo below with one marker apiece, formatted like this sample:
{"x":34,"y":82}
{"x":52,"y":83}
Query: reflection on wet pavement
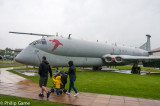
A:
{"x":14,"y":85}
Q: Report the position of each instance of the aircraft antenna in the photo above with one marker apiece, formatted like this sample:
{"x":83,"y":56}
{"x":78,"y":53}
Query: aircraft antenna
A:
{"x":56,"y":33}
{"x":115,"y":44}
{"x":69,"y":36}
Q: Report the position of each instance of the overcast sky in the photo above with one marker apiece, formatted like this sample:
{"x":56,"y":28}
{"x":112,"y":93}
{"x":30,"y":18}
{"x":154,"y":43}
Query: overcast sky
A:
{"x":121,"y":21}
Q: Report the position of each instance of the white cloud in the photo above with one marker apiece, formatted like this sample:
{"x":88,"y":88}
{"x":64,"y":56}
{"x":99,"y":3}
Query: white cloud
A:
{"x":121,"y":21}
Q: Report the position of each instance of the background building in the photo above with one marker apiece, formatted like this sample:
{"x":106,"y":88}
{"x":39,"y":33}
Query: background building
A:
{"x":155,"y":52}
{"x":16,"y":52}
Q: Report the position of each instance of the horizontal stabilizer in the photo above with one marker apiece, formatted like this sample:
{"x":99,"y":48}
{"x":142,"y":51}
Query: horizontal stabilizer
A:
{"x":31,"y":34}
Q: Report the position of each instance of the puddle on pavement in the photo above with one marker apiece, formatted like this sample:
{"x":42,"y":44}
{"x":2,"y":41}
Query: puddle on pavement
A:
{"x":28,"y":72}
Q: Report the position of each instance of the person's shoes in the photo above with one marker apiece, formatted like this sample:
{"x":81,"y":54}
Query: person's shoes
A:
{"x":48,"y":94}
{"x":67,"y":93}
{"x":41,"y":95}
{"x":76,"y":94}
{"x":57,"y":95}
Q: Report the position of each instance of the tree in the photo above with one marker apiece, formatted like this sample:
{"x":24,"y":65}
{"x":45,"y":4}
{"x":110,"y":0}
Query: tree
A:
{"x":2,"y":52}
{"x":7,"y":51}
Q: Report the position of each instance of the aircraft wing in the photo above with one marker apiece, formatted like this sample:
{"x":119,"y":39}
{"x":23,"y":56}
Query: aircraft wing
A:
{"x":148,"y":61}
{"x":121,"y":58}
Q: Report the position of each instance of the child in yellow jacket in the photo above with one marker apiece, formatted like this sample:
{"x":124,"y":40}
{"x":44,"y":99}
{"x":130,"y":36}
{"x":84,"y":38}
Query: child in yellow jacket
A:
{"x":58,"y":84}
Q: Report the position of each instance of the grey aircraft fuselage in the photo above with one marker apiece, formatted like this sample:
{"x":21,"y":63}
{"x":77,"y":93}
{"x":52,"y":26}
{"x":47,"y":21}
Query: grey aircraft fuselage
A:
{"x":59,"y":51}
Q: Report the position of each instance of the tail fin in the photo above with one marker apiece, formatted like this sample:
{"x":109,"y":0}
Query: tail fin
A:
{"x":147,"y":45}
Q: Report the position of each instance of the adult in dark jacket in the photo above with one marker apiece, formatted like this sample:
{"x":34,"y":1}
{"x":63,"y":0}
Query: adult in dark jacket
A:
{"x":72,"y":78}
{"x":44,"y":68}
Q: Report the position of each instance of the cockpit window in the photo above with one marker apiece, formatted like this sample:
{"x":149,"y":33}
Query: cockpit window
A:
{"x":35,"y":42}
{"x":42,"y":41}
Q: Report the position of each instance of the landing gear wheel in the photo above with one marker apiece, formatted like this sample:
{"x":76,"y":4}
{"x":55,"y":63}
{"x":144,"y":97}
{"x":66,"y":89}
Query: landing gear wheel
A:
{"x":97,"y":68}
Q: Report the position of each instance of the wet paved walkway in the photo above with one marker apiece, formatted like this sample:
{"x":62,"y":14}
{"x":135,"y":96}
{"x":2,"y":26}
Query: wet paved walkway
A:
{"x":14,"y":85}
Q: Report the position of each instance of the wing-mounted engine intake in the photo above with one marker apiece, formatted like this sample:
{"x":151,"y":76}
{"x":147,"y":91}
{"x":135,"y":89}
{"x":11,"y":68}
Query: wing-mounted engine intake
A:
{"x":128,"y":58}
{"x":118,"y":59}
{"x":113,"y":58}
{"x":109,"y":58}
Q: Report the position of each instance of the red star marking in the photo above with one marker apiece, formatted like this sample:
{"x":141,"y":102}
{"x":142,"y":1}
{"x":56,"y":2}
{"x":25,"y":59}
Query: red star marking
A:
{"x":57,"y":43}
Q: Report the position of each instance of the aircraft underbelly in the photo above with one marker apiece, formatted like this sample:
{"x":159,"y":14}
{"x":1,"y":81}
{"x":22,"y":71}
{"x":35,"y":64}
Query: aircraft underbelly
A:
{"x":78,"y":61}
{"x":34,"y":58}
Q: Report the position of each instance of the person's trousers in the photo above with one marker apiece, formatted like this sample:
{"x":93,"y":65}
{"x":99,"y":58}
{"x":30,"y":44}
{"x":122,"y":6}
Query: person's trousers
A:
{"x":57,"y":90}
{"x":71,"y":84}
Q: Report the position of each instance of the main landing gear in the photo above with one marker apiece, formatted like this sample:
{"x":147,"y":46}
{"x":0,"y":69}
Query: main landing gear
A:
{"x":97,"y":68}
{"x":136,"y":69}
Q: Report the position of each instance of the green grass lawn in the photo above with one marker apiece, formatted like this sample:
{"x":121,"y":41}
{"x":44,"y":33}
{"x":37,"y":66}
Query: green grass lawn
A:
{"x":134,"y":85}
{"x":145,"y":86}
{"x":18,"y":101}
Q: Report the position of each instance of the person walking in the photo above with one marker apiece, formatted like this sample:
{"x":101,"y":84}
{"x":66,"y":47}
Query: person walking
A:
{"x":44,"y":68}
{"x":58,"y":83}
{"x":72,"y":78}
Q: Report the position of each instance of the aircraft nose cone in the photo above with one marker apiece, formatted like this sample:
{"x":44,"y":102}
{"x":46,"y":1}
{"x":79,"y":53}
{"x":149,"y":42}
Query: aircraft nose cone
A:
{"x":28,"y":57}
{"x":19,"y":58}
